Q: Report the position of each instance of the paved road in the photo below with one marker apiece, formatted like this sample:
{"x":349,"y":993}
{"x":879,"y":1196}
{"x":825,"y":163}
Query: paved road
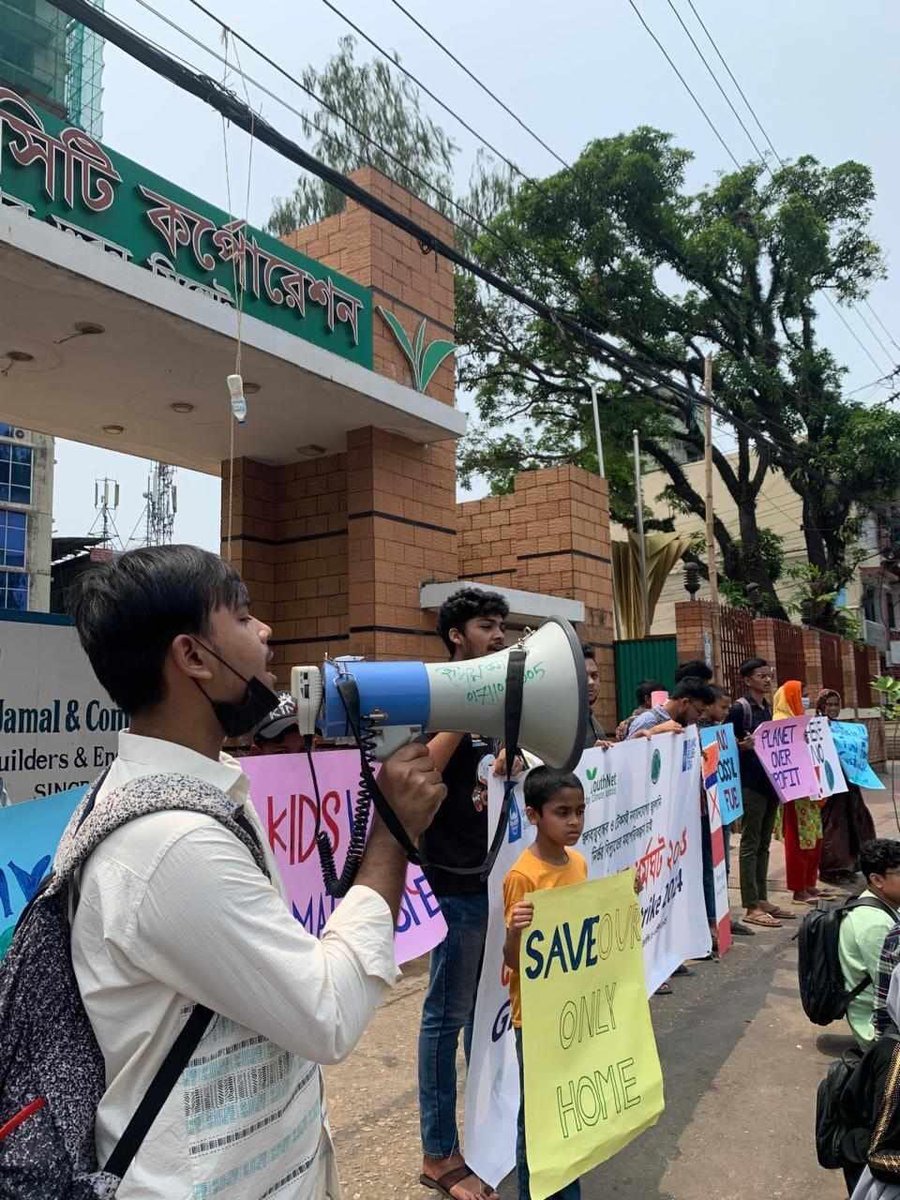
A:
{"x":740,"y":1062}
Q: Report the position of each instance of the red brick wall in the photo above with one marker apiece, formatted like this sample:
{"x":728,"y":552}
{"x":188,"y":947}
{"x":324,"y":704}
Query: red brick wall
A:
{"x":335,"y":550}
{"x":550,"y":535}
{"x":403,"y":279}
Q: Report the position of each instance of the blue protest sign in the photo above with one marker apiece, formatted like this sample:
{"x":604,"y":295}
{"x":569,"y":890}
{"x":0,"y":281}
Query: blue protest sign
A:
{"x":852,"y":742}
{"x":29,"y":835}
{"x":731,"y":799}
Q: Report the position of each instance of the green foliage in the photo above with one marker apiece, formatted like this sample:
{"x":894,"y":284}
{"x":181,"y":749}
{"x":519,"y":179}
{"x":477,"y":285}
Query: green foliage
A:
{"x":622,"y":245}
{"x":385,"y":107}
{"x":890,"y":695}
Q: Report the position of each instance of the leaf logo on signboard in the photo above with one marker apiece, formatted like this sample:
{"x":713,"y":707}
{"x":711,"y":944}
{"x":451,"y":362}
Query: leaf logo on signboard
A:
{"x":423,"y":360}
{"x":655,"y":767}
{"x":591,"y":772}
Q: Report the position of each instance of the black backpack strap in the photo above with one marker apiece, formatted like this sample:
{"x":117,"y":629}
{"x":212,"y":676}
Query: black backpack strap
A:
{"x":159,"y":1091}
{"x":871,"y":902}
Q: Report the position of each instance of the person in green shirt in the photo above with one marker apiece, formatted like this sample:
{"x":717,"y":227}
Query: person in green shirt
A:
{"x":864,"y":929}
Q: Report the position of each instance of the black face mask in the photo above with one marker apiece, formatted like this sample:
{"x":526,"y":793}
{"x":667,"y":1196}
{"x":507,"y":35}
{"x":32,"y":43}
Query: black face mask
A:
{"x":238,"y":717}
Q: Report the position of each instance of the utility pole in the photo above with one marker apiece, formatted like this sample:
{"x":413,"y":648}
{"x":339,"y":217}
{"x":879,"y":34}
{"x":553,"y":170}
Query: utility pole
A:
{"x":710,"y":522}
{"x":597,"y":434}
{"x":639,"y":522}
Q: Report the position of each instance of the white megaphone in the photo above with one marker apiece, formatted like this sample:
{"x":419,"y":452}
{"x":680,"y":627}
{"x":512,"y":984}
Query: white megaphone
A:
{"x":398,"y":701}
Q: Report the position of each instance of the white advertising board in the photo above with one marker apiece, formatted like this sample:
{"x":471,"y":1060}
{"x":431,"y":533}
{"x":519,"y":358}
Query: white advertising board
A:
{"x":58,"y":728}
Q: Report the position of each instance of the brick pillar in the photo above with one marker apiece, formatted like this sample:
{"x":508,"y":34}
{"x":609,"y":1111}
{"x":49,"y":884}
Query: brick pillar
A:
{"x":764,"y":639}
{"x":334,"y":550}
{"x":405,"y":281}
{"x":812,"y":653}
{"x":401,"y":509}
{"x":873,"y":658}
{"x":550,"y":535}
{"x":693,"y":623}
{"x":848,"y":665}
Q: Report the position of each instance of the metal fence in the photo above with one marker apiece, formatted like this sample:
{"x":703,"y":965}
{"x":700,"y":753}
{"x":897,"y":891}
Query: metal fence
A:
{"x":832,"y":662}
{"x":639,"y":659}
{"x":790,"y":659}
{"x":738,"y":644}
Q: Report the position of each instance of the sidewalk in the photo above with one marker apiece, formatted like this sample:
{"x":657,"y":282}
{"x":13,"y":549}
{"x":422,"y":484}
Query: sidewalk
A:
{"x":741,"y":1064}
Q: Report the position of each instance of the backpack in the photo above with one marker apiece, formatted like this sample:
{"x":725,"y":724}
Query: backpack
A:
{"x":52,"y":1070}
{"x":847,"y":1106}
{"x":823,"y":992}
{"x":832,"y":1123}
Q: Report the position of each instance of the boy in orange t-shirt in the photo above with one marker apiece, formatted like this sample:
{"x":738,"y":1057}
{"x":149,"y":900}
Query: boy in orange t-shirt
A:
{"x":554,"y":804}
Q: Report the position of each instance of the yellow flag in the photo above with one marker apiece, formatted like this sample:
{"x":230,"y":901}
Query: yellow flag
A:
{"x":592,"y":1076}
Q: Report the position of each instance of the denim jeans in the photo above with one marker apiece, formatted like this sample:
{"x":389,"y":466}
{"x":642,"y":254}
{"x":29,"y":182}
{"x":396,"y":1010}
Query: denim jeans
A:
{"x":572,"y":1191}
{"x":449,"y":1007}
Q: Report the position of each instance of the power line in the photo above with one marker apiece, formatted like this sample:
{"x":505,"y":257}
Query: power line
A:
{"x":715,"y":80}
{"x":428,"y":92}
{"x":632,"y":368}
{"x":687,"y":86}
{"x":295,"y":111}
{"x":482,"y":85}
{"x":865,"y":349}
{"x":781,"y":162}
{"x":893,"y":340}
{"x":887,"y":352}
{"x":734,"y":81}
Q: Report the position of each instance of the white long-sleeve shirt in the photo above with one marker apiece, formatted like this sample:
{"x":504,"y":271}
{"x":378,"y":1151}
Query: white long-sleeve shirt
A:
{"x":174,"y":911}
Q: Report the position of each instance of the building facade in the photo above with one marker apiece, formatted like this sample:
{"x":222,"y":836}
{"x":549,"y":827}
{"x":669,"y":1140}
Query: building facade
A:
{"x":26,"y":518}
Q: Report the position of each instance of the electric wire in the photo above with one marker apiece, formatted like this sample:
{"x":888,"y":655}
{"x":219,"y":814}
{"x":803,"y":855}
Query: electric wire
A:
{"x":471,"y":74}
{"x":632,"y":368}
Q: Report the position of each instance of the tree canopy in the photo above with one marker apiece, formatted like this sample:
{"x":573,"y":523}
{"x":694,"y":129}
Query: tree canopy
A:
{"x":739,"y":268}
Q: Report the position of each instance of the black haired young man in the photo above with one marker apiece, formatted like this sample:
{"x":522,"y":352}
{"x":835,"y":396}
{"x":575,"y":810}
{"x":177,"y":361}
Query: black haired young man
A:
{"x":471,"y":623}
{"x":695,"y":668}
{"x":863,"y":933}
{"x":594,"y":734}
{"x":173,"y":910}
{"x":760,"y":800}
{"x":685,"y":706}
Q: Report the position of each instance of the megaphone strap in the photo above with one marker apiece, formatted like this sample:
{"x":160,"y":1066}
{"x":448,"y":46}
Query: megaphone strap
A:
{"x":371,"y":793}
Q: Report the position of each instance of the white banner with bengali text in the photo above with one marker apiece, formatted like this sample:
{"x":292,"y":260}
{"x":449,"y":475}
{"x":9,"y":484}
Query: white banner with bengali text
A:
{"x":642,"y":811}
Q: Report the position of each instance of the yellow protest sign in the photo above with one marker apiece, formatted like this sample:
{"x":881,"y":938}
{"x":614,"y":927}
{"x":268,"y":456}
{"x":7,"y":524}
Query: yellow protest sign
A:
{"x":592,"y":1076}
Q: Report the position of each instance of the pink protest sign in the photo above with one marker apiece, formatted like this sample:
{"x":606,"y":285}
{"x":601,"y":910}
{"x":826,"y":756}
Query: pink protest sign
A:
{"x":283,"y":796}
{"x":782,"y":749}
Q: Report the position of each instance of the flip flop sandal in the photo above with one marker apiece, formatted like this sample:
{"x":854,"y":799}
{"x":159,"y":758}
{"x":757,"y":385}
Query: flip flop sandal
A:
{"x":664,"y":989}
{"x":764,"y":920}
{"x":683,"y":970}
{"x":781,"y":914}
{"x":741,"y":930}
{"x":450,"y":1179}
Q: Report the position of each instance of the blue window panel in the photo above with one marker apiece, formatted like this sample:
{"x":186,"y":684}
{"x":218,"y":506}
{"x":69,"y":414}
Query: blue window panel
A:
{"x":15,"y":473}
{"x":5,"y":430}
{"x":13,"y":537}
{"x":13,"y":590}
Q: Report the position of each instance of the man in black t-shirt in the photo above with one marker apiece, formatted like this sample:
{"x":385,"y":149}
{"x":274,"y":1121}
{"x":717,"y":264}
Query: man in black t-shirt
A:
{"x":472,"y":623}
{"x":760,"y":800}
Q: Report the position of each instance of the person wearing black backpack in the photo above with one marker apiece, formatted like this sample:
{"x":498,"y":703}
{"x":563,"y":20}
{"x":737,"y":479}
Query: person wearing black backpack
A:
{"x":205,"y":1006}
{"x":863,"y":932}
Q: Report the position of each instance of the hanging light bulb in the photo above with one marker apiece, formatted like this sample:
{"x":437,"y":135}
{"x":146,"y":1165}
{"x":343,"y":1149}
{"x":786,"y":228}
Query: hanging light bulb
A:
{"x":238,"y":402}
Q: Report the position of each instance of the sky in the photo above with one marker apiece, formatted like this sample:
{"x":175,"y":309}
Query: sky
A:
{"x":821,"y":77}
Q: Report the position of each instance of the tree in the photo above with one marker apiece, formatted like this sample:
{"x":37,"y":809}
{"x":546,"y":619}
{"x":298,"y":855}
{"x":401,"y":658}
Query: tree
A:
{"x":620,"y":245}
{"x":387,"y":130}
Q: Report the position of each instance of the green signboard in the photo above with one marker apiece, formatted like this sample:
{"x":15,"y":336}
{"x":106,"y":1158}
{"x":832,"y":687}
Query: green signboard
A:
{"x":57,"y":173}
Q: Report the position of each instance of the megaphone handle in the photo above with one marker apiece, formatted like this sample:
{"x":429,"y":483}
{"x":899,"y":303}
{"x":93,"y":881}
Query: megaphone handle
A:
{"x":349,"y":694}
